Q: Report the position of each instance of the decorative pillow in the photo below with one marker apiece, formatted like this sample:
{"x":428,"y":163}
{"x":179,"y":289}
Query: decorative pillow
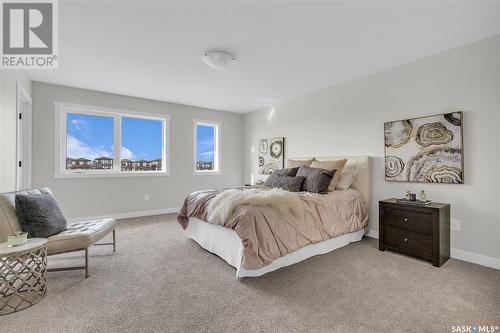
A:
{"x":298,"y":163}
{"x":337,"y":165}
{"x":290,"y":172}
{"x":345,"y":181}
{"x":316,"y":180}
{"x":39,"y":215}
{"x":347,"y":177}
{"x":292,"y":184}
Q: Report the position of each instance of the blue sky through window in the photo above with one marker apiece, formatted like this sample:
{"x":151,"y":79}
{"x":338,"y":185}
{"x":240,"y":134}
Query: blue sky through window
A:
{"x":89,"y":136}
{"x":205,"y":143}
{"x":141,"y":139}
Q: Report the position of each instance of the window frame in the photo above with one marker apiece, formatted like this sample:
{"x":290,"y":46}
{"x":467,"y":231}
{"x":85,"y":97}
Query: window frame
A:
{"x":217,"y":146}
{"x":61,"y":111}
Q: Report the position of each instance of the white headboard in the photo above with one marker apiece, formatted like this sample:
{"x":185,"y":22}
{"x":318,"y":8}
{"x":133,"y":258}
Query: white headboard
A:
{"x":363,"y":181}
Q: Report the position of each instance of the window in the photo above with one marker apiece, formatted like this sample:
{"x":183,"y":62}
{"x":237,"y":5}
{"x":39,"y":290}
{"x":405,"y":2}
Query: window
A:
{"x":89,"y":142}
{"x":206,"y":147}
{"x":141,"y":144}
{"x":87,"y":138}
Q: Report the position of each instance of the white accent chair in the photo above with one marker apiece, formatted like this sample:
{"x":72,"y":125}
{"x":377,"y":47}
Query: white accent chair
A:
{"x":77,"y":237}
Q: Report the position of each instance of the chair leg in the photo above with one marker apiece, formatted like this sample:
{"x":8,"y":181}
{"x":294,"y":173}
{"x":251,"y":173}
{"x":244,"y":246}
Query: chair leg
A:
{"x":114,"y":240}
{"x":86,"y":262}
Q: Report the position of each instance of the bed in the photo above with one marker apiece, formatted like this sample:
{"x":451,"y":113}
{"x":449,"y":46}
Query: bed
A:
{"x":227,"y":243}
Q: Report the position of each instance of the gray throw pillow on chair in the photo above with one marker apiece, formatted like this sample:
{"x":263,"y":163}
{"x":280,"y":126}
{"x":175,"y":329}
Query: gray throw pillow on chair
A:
{"x":39,"y":215}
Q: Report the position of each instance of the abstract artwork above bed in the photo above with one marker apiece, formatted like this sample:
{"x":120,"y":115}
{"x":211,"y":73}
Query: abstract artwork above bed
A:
{"x":425,"y":150}
{"x":271,"y":153}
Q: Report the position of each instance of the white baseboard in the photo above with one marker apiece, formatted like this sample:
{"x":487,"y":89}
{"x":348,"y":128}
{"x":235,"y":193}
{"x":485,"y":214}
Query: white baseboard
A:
{"x":372,"y":233}
{"x":475,"y":258}
{"x":459,"y":254}
{"x":127,"y":215}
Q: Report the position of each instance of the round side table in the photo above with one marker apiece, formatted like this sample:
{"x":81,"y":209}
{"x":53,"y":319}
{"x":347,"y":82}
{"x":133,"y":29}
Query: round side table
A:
{"x":23,"y":275}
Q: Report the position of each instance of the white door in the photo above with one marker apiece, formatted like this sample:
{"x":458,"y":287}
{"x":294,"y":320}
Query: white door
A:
{"x":23,"y":167}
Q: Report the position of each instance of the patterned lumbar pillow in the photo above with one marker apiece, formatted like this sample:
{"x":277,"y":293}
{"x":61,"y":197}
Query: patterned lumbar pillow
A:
{"x":290,"y":172}
{"x":316,"y":180}
{"x":39,"y":215}
{"x":292,"y":184}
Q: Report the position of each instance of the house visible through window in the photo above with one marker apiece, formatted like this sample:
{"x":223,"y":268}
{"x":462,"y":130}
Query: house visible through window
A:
{"x":89,"y":142}
{"x":141,"y":144}
{"x":89,"y":136}
{"x":207,"y":140}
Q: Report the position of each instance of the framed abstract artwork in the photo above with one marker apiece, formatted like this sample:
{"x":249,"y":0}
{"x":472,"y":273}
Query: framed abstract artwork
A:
{"x":425,"y":150}
{"x":271,"y":152}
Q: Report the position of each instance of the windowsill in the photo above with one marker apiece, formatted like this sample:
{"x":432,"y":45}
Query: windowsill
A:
{"x":111,"y":174}
{"x":206,"y":173}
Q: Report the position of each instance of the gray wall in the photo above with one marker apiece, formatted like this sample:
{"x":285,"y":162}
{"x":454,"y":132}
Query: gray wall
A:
{"x":103,"y":196}
{"x":348,"y":120}
{"x":8,"y":125}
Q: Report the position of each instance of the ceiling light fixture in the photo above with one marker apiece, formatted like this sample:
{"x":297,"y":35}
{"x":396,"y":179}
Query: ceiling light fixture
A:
{"x":218,"y":59}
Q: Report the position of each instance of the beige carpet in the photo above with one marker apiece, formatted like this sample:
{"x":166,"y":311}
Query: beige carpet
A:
{"x":159,"y":281}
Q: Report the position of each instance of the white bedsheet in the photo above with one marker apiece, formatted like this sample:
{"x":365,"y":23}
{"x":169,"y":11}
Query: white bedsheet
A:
{"x":225,"y":243}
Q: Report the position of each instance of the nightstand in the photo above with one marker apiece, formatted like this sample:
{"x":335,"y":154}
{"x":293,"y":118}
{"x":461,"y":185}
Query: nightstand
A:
{"x":419,"y":231}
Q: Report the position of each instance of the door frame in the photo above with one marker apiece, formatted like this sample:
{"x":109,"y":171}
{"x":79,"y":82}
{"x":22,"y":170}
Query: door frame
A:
{"x":23,"y":137}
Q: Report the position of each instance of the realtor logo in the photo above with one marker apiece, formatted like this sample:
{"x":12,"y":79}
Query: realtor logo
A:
{"x":29,"y":34}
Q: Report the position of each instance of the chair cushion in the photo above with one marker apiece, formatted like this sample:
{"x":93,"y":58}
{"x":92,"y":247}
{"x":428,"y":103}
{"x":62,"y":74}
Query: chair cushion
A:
{"x":8,"y":218}
{"x":39,"y":215}
{"x":80,"y":235}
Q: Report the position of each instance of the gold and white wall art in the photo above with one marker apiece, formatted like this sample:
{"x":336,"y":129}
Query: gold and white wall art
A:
{"x":425,"y":150}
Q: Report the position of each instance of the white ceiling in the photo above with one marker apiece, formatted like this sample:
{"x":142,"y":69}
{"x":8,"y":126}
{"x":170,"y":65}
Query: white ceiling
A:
{"x":283,"y":49}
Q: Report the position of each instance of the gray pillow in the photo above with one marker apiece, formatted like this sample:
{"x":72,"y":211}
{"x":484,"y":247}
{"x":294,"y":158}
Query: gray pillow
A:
{"x":39,"y":215}
{"x":315,"y":179}
{"x":291,"y":172}
{"x":292,"y":184}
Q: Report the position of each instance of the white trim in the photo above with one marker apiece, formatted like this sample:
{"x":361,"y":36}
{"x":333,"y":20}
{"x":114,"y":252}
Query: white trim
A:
{"x":126,"y":215}
{"x":105,"y":110}
{"x":372,"y":233}
{"x":106,"y":174}
{"x":459,"y":254}
{"x":217,"y":146}
{"x":117,"y":143}
{"x":23,"y":138}
{"x":475,"y":258}
{"x":62,"y":109}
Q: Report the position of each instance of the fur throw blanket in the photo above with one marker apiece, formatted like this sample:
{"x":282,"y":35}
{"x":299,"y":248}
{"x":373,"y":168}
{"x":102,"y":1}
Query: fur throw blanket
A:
{"x":222,"y":206}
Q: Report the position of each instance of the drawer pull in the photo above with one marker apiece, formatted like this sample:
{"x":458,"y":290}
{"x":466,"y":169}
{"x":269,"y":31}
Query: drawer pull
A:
{"x":406,"y":220}
{"x":406,"y":239}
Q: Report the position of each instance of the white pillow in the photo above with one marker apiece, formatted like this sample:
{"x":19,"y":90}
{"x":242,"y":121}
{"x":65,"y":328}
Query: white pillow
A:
{"x":347,"y":177}
{"x":345,"y":181}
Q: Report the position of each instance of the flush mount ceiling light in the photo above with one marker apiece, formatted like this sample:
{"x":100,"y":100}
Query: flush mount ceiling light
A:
{"x":218,"y":59}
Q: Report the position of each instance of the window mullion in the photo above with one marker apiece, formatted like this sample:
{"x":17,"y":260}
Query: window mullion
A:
{"x":63,"y":153}
{"x":216,"y":148}
{"x":195,"y":144}
{"x":117,"y":143}
{"x":164,"y":146}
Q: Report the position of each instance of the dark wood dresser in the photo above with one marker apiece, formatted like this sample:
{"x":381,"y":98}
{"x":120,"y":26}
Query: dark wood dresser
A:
{"x":420,"y":231}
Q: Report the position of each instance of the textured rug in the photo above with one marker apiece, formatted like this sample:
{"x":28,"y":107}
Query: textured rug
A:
{"x":159,"y":281}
